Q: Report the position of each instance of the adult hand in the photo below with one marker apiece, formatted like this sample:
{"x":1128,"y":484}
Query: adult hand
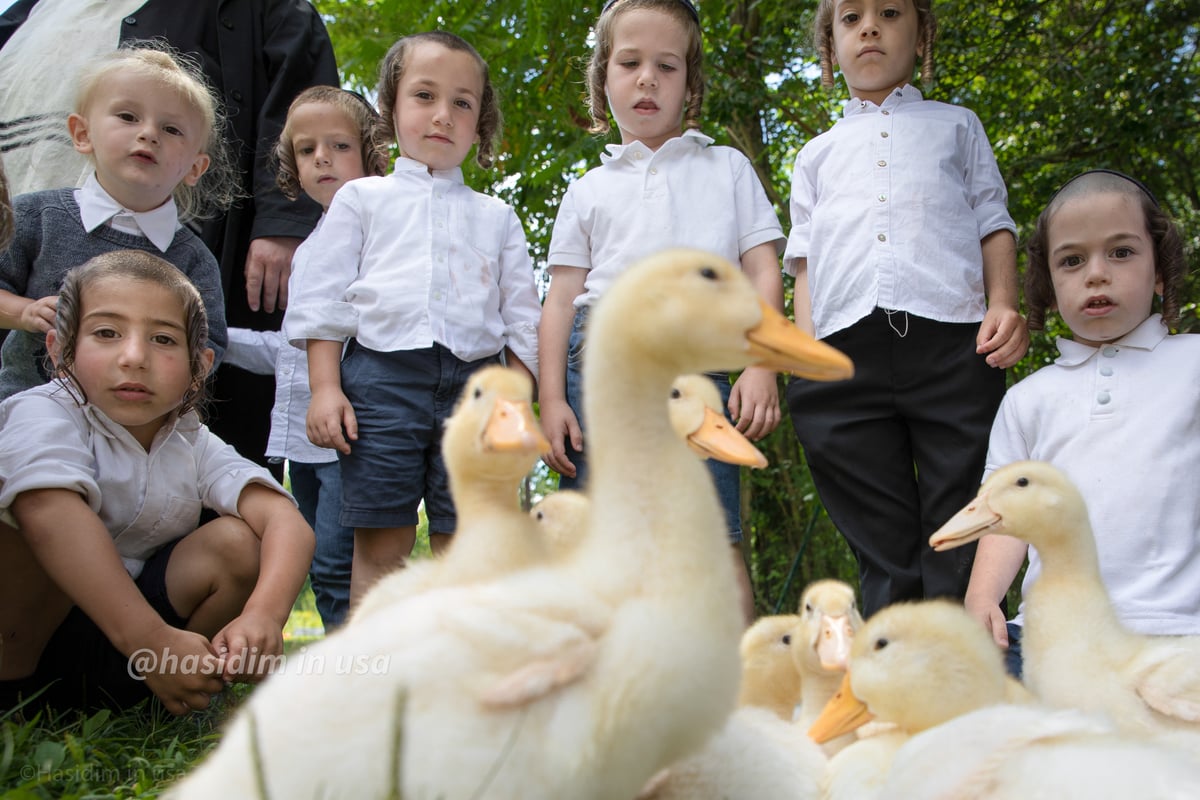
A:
{"x":268,"y":267}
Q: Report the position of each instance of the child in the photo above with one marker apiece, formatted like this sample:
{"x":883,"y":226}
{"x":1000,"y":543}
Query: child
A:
{"x":661,"y":187}
{"x":103,"y":572}
{"x":330,"y":137}
{"x":899,"y":234}
{"x":422,"y":281}
{"x":1117,"y":411}
{"x":151,"y":128}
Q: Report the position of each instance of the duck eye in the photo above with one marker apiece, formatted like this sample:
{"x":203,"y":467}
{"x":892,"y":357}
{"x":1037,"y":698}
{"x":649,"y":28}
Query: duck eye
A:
{"x":675,"y":394}
{"x":541,"y":515}
{"x":708,"y":273}
{"x":478,"y":393}
{"x":1022,"y":481}
{"x":787,"y":638}
{"x":808,"y":608}
{"x":881,"y":643}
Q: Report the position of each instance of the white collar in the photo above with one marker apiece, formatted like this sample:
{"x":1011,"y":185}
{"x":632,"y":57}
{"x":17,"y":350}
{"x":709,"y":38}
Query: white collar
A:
{"x":1144,"y":337}
{"x":636,"y":149}
{"x":905,"y":94}
{"x":97,"y":207}
{"x":405,"y":164}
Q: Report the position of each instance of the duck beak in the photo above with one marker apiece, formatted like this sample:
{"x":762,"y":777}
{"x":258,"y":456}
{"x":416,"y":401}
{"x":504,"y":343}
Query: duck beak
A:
{"x":974,"y":521}
{"x":717,"y":439}
{"x":842,"y":714}
{"x":512,"y":428}
{"x":833,"y":642}
{"x":778,"y":344}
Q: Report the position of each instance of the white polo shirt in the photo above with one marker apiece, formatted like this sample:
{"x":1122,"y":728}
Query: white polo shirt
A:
{"x":688,"y":193}
{"x":1123,"y":422}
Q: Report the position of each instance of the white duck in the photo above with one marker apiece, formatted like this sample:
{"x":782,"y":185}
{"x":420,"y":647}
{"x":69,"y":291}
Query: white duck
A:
{"x":580,"y":679}
{"x":1077,"y":654}
{"x":770,"y":679}
{"x":821,"y":647}
{"x":490,"y":443}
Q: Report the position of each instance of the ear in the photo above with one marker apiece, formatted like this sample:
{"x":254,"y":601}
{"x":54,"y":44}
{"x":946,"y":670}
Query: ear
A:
{"x":77,"y":126}
{"x":1158,"y":284}
{"x":206,"y":361}
{"x":54,"y":347}
{"x":198,"y":168}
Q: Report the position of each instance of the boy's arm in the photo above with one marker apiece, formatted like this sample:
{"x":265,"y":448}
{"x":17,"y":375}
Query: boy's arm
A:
{"x":1003,"y":334}
{"x":72,"y":545}
{"x":287,"y":550}
{"x":754,"y":401}
{"x":329,"y":411}
{"x":554,"y":333}
{"x":22,"y":314}
{"x":256,"y":351}
{"x":998,"y":559}
{"x":802,"y":298}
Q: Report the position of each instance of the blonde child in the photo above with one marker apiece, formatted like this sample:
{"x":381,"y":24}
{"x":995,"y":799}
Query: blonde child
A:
{"x":151,"y":128}
{"x":107,"y":585}
{"x":330,"y":137}
{"x":905,"y":259}
{"x":1118,"y":411}
{"x":421,"y":281}
{"x":665,"y":185}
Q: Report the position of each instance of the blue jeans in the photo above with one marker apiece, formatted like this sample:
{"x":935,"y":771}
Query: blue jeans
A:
{"x":318,"y":491}
{"x":1013,"y":662}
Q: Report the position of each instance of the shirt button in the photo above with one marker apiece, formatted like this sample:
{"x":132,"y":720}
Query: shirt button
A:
{"x":884,"y":134}
{"x":881,"y":163}
{"x":653,"y":170}
{"x":881,"y":237}
{"x":883,"y":198}
{"x":1109,"y":352}
{"x":1106,"y":371}
{"x":885,"y":113}
{"x":637,"y":156}
{"x":1103,"y":398}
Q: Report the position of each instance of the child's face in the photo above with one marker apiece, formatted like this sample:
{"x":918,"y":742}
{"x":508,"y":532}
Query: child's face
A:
{"x":144,"y":139}
{"x":647,"y":76}
{"x":328,"y":148}
{"x":131,"y":353}
{"x":1101,"y":261}
{"x":875,"y":45}
{"x":436,"y":114}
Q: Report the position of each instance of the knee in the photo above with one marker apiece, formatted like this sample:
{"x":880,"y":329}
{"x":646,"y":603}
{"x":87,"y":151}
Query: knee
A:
{"x":236,"y":550}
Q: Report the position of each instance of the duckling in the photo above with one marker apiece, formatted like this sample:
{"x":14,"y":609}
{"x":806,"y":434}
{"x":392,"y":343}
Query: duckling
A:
{"x":965,"y":729}
{"x":577,"y":679}
{"x":770,"y":679}
{"x":1077,"y":653}
{"x":490,"y":443}
{"x":821,"y":647}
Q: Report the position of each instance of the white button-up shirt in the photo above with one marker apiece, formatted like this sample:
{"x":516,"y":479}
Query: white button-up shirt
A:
{"x":1123,"y":422}
{"x":889,"y":207}
{"x":145,"y":499}
{"x":687,"y":193}
{"x":412,"y":258}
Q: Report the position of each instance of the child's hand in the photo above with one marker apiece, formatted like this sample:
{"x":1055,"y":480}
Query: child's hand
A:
{"x":38,"y":316}
{"x":1004,"y":335}
{"x":559,"y":424}
{"x":249,"y":647}
{"x":990,"y":616}
{"x":754,"y":403}
{"x":328,"y":412}
{"x":181,"y":668}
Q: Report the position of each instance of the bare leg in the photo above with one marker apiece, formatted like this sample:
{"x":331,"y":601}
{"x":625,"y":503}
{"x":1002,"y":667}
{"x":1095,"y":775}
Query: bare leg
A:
{"x":745,"y":590}
{"x":211,"y":574}
{"x":31,"y":606}
{"x":378,"y":551}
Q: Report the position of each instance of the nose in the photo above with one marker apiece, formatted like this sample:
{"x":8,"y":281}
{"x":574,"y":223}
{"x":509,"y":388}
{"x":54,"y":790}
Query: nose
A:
{"x":444,"y":115}
{"x":869,"y":28}
{"x":647,"y":77}
{"x":133,"y":352}
{"x":148,"y":132}
{"x":321,"y":155}
{"x":1097,"y":271}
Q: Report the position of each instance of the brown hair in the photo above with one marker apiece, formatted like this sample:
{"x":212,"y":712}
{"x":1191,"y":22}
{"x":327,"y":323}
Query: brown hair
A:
{"x":1169,"y":263}
{"x":130,"y":266}
{"x":823,"y":39}
{"x":392,"y":69}
{"x":597,"y":71}
{"x":218,"y":187}
{"x":361,"y":114}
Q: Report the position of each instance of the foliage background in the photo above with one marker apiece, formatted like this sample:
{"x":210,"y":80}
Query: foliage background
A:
{"x":1060,"y":86}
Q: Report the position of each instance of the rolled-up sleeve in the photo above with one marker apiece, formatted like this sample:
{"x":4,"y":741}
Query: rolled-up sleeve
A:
{"x":986,"y":192}
{"x":519,"y":307}
{"x":318,"y":308}
{"x":223,"y":473}
{"x":800,"y":206}
{"x":43,"y":447}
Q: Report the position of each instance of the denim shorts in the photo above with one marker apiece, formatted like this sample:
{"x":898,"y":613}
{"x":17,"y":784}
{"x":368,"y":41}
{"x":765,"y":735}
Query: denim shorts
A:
{"x":401,"y":400}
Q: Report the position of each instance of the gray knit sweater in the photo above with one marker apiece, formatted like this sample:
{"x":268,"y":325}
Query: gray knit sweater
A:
{"x":50,"y":240}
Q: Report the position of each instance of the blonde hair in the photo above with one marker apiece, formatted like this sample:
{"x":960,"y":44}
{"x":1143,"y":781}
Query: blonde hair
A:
{"x":218,"y":187}
{"x":361,"y":114}
{"x":823,"y":39}
{"x":130,"y":266}
{"x":597,"y":71}
{"x":391,"y":70}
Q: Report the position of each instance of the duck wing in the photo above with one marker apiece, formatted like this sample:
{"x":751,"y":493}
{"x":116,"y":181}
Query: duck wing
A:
{"x":1167,"y":676}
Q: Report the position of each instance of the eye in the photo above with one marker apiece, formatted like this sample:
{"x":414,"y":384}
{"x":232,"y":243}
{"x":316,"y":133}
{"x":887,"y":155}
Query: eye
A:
{"x":126,"y":116}
{"x":891,"y":13}
{"x":478,"y":393}
{"x":1070,"y":261}
{"x":708,"y":273}
{"x":104,"y":333}
{"x":675,"y":394}
{"x":881,"y":643}
{"x":423,"y":95}
{"x":1122,"y":252}
{"x":541,"y":515}
{"x":305,"y":151}
{"x":787,"y":638}
{"x":1022,"y":481}
{"x":163,"y":338}
{"x":341,"y":146}
{"x":850,"y":19}
{"x":808,"y":608}
{"x":174,"y":131}
{"x":463,"y":104}
{"x":667,"y":67}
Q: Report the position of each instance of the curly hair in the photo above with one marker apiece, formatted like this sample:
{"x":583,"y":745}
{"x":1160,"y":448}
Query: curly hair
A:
{"x":130,"y":266}
{"x":1170,"y":265}
{"x":219,"y":187}
{"x":391,"y":70}
{"x":823,"y":39}
{"x":597,"y":71}
{"x":361,"y":114}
